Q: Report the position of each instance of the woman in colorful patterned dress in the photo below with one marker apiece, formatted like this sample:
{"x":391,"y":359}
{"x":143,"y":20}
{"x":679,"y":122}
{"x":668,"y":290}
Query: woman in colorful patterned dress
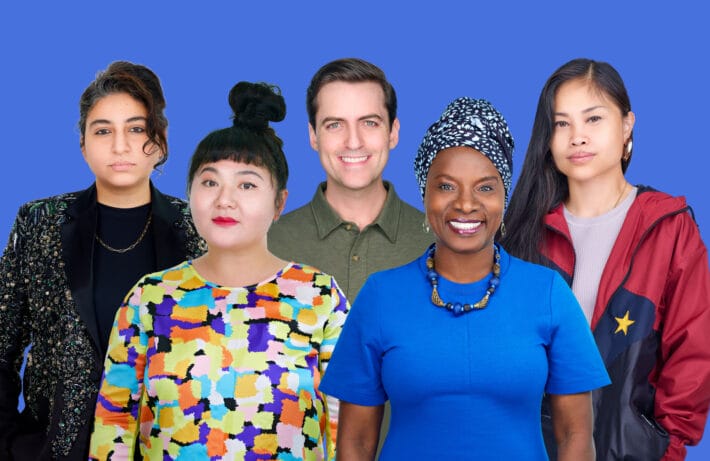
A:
{"x":464,"y":340}
{"x":70,"y":260}
{"x":221,"y":357}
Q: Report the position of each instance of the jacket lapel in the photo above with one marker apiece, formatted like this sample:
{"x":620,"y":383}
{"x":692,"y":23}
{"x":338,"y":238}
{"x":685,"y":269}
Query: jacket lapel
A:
{"x":78,"y":253}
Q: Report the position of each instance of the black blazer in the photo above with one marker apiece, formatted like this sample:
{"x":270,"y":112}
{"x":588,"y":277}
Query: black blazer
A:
{"x":46,"y":300}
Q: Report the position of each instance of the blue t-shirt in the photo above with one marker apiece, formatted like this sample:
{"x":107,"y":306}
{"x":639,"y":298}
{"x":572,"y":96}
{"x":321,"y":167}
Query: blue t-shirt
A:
{"x":466,"y":387}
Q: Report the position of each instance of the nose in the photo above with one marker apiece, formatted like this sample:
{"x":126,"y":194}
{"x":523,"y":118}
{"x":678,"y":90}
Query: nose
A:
{"x":467,"y":201}
{"x":354,"y":138}
{"x":579,"y":137}
{"x":120,"y":142}
{"x":225,"y":199}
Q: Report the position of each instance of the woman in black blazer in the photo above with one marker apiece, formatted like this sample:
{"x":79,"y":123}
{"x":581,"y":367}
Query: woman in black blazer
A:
{"x":71,"y":259}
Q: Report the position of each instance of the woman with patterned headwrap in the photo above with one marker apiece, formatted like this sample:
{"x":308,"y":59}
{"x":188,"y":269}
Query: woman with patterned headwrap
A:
{"x":464,"y":340}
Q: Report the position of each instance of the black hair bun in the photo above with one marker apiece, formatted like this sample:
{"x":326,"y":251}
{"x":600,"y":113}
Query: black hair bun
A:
{"x":256,"y":104}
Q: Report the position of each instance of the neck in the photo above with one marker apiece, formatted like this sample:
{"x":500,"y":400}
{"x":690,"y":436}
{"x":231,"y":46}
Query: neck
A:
{"x":463,"y":267}
{"x":122,"y":197}
{"x":252,"y":266}
{"x":596,"y":197}
{"x":361,"y":206}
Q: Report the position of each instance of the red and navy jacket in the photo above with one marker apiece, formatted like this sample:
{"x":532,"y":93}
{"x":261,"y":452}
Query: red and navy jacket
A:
{"x":651,"y":322}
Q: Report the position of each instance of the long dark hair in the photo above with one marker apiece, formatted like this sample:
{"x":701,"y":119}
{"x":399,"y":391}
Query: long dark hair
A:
{"x":250,"y":140}
{"x":541,"y":187}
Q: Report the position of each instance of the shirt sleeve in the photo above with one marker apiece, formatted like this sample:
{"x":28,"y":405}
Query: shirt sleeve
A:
{"x":331,"y":332}
{"x":118,"y":406}
{"x":574,"y":362}
{"x":14,"y":329}
{"x":354,"y":372}
{"x":683,"y":383}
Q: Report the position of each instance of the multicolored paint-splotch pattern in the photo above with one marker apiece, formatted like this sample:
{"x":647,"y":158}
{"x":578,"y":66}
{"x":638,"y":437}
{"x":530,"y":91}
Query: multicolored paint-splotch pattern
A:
{"x":199,"y":371}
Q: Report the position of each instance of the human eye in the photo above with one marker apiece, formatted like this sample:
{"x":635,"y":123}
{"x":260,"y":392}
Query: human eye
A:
{"x":561,"y":123}
{"x":332,"y":125}
{"x":486,"y":188}
{"x":247,"y":185}
{"x":444,"y":186}
{"x":137,"y":129}
{"x":207,"y":182}
{"x":102,"y":131}
{"x":372,"y":123}
{"x":594,"y":118}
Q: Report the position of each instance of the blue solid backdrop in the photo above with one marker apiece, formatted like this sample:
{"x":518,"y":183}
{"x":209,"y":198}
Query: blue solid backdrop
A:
{"x":432,"y":52}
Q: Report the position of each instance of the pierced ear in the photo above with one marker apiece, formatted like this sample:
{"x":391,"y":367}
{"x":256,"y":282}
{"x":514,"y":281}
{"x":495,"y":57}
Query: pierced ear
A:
{"x":628,"y":123}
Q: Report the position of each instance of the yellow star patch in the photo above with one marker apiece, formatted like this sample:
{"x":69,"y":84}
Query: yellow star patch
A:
{"x":624,"y":323}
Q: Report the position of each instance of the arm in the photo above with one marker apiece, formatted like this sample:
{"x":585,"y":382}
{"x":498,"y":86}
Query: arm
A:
{"x":14,"y":331}
{"x":331,"y":332}
{"x":572,"y":422}
{"x":683,"y":373}
{"x":118,"y":405}
{"x":359,"y":431}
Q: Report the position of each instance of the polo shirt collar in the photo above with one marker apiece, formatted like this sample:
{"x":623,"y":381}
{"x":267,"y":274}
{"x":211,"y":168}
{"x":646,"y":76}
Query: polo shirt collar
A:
{"x":327,"y":220}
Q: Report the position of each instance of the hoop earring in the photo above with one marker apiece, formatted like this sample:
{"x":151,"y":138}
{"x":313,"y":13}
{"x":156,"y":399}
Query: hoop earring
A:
{"x":629,"y":146}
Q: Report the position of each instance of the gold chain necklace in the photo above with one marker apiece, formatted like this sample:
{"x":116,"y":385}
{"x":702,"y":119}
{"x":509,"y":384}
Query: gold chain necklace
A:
{"x":131,"y":246}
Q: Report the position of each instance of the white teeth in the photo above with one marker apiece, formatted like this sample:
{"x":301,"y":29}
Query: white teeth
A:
{"x":464,"y":225}
{"x":354,"y":159}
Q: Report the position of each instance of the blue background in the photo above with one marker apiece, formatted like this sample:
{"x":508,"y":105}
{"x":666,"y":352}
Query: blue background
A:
{"x":431,"y":51}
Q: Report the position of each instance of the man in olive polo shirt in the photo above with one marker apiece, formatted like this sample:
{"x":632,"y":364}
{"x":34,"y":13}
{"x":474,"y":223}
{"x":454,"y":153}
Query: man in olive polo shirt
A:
{"x":355,"y":224}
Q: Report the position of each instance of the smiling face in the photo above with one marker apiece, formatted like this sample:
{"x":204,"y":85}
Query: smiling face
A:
{"x":113,"y":146}
{"x":352,"y":134}
{"x":589,"y":133}
{"x":233,"y":204}
{"x":464,"y":202}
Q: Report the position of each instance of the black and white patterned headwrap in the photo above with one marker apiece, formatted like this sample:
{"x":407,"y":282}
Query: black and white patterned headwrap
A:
{"x":468,"y":122}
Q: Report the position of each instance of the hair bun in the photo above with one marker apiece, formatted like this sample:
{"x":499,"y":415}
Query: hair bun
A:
{"x":256,"y":104}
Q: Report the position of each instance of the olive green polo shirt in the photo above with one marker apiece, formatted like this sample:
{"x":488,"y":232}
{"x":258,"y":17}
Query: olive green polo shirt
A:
{"x":316,"y":235}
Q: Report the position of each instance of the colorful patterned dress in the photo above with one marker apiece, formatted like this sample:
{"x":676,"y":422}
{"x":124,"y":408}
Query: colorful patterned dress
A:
{"x":199,"y":371}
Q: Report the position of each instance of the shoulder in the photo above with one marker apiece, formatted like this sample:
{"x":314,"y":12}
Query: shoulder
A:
{"x":296,"y":271}
{"x":53,"y":205}
{"x":177,"y":203}
{"x":46,"y":210}
{"x":301,"y":215}
{"x":532,"y":272}
{"x":399,"y":274}
{"x":175,"y":275}
{"x":669,"y":215}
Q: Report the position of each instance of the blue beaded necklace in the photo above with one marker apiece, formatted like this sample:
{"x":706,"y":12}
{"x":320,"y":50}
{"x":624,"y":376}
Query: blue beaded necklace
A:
{"x":458,"y":308}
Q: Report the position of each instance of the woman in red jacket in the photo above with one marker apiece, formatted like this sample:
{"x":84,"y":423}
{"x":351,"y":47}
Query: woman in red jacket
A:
{"x":634,"y":259}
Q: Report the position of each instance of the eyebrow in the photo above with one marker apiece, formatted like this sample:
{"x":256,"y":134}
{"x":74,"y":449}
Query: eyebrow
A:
{"x":479,"y":180}
{"x":212,"y":169}
{"x":102,"y":121}
{"x":341,"y":119}
{"x":589,"y":109}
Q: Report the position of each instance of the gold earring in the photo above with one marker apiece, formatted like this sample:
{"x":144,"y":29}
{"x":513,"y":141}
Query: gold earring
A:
{"x":629,"y":146}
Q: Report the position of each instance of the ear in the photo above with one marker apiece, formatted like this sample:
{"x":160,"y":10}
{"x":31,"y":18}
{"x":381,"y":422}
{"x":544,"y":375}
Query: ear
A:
{"x":280,"y":203}
{"x":82,"y":145}
{"x":313,"y":139}
{"x":628,"y":125}
{"x":394,"y":134}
